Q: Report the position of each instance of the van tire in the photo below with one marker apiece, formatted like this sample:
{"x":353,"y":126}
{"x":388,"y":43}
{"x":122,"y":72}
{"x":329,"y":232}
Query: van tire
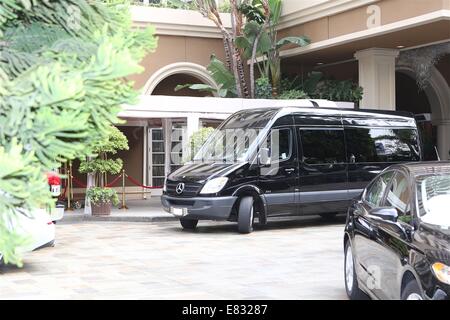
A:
{"x":189,"y":224}
{"x":412,"y":291}
{"x":328,"y":216}
{"x":246,"y":215}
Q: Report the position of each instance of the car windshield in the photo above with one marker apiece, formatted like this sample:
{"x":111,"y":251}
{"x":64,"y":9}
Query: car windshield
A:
{"x":235,"y":139}
{"x":434,"y":199}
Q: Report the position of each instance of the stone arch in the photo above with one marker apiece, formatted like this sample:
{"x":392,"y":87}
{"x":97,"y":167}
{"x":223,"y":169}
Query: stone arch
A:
{"x":438,"y":93}
{"x":187,"y":68}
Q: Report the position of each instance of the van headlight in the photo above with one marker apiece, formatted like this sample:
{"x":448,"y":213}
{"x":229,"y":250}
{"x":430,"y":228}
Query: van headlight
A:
{"x":214,"y":185}
{"x":442,"y":272}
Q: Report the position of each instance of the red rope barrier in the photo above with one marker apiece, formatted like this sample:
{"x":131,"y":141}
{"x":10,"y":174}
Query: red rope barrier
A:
{"x":79,"y":183}
{"x":114,"y":181}
{"x":134,"y":181}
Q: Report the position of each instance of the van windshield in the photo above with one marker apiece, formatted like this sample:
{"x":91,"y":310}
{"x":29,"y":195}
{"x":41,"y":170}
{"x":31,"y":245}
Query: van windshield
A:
{"x":235,"y":139}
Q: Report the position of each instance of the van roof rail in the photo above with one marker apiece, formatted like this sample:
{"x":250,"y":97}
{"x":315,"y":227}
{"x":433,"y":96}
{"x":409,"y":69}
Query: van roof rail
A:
{"x":315,"y":104}
{"x":396,"y":113}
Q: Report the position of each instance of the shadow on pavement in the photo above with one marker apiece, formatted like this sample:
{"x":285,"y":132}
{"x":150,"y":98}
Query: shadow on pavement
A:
{"x":272,"y":224}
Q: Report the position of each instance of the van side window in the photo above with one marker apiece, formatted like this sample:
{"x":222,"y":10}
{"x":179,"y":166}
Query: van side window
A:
{"x":280,"y":143}
{"x":382,"y":145}
{"x":323,"y":146}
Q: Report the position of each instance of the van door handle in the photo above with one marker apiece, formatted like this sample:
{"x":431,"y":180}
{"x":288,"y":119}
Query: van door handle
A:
{"x":289,"y":170}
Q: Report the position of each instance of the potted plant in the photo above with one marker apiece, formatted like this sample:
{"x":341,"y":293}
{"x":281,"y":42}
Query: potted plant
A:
{"x":101,"y":197}
{"x":102,"y":200}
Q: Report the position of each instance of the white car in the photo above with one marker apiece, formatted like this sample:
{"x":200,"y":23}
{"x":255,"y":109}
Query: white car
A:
{"x":38,"y":227}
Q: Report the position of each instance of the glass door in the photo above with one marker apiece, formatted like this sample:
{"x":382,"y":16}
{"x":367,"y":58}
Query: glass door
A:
{"x":157,"y":157}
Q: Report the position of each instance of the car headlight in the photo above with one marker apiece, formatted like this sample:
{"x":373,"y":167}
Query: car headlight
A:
{"x":442,"y":272}
{"x":165,"y":185}
{"x":214,"y":185}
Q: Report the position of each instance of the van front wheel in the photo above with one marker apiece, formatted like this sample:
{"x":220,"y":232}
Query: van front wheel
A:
{"x":245,"y":215}
{"x":189,"y":224}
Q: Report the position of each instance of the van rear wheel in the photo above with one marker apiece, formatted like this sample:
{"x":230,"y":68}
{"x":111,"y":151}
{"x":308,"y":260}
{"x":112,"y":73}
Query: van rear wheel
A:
{"x":189,"y":224}
{"x":246,"y":215}
{"x":330,"y":216}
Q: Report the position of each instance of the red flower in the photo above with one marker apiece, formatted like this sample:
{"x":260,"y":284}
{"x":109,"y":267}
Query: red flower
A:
{"x":53,"y":179}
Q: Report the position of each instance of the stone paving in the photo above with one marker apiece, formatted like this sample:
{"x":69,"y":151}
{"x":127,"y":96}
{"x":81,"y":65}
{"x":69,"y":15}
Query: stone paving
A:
{"x":299,"y":259}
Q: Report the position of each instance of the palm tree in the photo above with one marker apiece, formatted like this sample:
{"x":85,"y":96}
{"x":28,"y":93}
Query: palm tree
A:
{"x":233,"y":58}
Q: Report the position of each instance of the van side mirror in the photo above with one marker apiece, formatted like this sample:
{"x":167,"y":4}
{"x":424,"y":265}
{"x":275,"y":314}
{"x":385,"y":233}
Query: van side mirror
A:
{"x":389,"y":214}
{"x":264,"y":157}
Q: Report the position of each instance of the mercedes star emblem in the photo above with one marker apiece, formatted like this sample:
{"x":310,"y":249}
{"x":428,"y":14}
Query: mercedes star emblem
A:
{"x":180,"y":188}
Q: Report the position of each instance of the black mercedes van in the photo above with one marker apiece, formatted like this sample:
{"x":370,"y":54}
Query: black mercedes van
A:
{"x":288,"y":161}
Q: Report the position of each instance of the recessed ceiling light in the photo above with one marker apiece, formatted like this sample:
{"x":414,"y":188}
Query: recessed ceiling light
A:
{"x":400,"y":47}
{"x":319,"y":63}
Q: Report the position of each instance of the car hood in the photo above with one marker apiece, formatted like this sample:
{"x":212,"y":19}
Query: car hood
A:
{"x":436,"y":242}
{"x":200,"y":172}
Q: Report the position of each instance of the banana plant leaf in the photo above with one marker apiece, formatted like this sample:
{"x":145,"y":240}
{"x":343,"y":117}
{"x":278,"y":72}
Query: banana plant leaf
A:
{"x":221,"y":75}
{"x":196,"y":86}
{"x":245,"y":42}
{"x":299,"y":41}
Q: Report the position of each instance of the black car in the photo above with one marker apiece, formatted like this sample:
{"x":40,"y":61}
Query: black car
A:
{"x":287,"y":161}
{"x":397,"y":235}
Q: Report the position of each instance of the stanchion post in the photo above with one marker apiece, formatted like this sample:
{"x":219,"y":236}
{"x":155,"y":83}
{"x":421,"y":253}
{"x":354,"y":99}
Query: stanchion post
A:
{"x":70,"y":187}
{"x":124,"y":206}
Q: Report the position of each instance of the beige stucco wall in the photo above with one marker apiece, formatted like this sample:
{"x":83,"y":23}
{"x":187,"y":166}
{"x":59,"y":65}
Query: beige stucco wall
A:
{"x":173,"y":49}
{"x":355,"y":20}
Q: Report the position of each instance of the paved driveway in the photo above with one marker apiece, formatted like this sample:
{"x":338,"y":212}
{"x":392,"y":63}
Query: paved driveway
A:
{"x":116,"y":260}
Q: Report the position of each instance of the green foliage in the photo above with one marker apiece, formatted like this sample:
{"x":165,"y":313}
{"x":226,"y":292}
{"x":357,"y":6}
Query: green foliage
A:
{"x":263,"y":88}
{"x":339,"y":91}
{"x":293,"y":94}
{"x":298,"y":41}
{"x":63,"y":65}
{"x":245,"y":42}
{"x":288,"y":90}
{"x":198,"y":138}
{"x":171,"y":4}
{"x":317,"y":86}
{"x":114,"y":140}
{"x":252,"y":12}
{"x":268,"y":46}
{"x":111,"y":166}
{"x":225,"y":7}
{"x":22,"y":185}
{"x":102,"y":195}
{"x":221,"y":75}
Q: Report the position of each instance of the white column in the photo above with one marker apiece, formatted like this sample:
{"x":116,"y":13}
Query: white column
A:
{"x":443,"y":139}
{"x":167,"y":130}
{"x":145,"y":160}
{"x":89,"y":184}
{"x":377,"y":77}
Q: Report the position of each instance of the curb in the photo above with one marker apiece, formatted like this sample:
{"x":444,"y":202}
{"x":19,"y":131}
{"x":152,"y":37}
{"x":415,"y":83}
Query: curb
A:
{"x":83,"y":217}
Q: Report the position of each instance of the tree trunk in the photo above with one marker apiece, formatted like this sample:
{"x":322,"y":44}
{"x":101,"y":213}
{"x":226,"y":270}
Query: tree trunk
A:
{"x":241,"y":74}
{"x":275,"y":71}
{"x":226,"y":47}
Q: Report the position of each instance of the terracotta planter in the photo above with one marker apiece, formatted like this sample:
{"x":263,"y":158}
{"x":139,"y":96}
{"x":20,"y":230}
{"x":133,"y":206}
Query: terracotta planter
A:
{"x":101,"y":209}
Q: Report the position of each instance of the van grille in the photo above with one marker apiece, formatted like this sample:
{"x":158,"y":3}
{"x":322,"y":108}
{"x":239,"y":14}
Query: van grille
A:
{"x":191,"y":189}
